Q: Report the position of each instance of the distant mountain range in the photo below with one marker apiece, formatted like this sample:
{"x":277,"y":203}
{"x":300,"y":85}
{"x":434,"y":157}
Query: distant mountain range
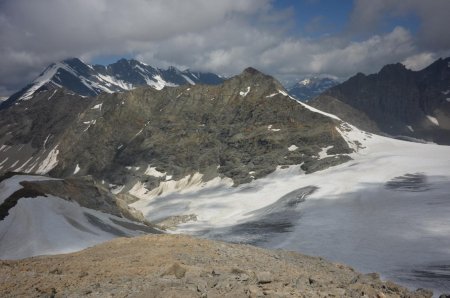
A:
{"x":310,"y":87}
{"x":248,"y":125}
{"x":395,"y":101}
{"x":90,"y":80}
{"x":398,"y":102}
{"x":117,"y":148}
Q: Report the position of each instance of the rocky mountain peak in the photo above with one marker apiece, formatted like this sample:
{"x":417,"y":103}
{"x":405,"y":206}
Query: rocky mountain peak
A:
{"x":254,"y":74}
{"x":399,"y":101}
{"x":390,"y":68}
{"x":91,"y":80}
{"x":251,"y":70}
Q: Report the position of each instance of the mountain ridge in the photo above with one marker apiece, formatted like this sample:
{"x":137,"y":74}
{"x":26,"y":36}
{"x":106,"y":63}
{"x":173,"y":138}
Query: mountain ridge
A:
{"x":239,"y":130}
{"x":399,"y":101}
{"x":91,"y":80}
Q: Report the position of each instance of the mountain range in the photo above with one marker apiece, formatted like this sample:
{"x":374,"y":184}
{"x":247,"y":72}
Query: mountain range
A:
{"x":147,"y":142}
{"x":310,"y":87}
{"x":91,"y":153}
{"x":395,"y":101}
{"x":90,"y":80}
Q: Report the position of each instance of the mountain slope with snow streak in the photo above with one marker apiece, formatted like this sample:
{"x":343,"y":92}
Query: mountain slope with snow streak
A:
{"x":90,"y":80}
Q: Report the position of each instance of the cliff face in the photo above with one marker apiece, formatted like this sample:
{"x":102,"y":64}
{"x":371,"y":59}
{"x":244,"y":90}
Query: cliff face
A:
{"x":181,"y":266}
{"x":399,"y":101}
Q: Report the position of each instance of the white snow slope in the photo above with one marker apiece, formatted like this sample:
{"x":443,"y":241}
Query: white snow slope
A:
{"x":386,"y":228}
{"x":51,"y":225}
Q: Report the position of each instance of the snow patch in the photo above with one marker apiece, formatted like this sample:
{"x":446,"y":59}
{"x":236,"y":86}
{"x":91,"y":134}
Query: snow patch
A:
{"x":410,"y":128}
{"x":189,"y":183}
{"x":292,"y":148}
{"x":244,"y":93}
{"x":46,"y":140}
{"x":310,"y":107}
{"x":89,"y":124}
{"x":433,"y":120}
{"x":305,"y":82}
{"x":188,"y":80}
{"x":22,"y":167}
{"x":159,"y":83}
{"x":272,"y":129}
{"x":97,"y":107}
{"x":77,"y":169}
{"x":272,"y":95}
{"x":323,"y":152}
{"x":54,"y":92}
{"x":49,"y":162}
{"x":116,"y":82}
{"x":152,"y":171}
{"x":5,"y":160}
{"x":132,"y":168}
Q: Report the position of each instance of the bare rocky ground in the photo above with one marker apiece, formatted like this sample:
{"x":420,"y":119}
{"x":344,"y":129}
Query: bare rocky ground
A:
{"x":183,"y":266}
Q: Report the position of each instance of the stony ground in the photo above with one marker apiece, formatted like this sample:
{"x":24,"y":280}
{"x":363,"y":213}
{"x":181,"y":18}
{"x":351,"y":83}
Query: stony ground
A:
{"x":183,"y":266}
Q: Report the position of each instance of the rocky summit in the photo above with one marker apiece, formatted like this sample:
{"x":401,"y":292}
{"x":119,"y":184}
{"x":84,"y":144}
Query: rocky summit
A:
{"x":182,"y":266}
{"x":396,"y":101}
{"x":242,"y":129}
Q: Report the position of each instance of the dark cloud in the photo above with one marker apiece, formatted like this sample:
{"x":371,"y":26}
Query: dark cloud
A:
{"x":223,"y":36}
{"x":433,"y":15}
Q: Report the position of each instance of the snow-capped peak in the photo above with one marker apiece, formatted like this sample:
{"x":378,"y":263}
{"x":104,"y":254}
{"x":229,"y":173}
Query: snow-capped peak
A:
{"x":90,"y":80}
{"x":305,"y":82}
{"x":310,"y":87}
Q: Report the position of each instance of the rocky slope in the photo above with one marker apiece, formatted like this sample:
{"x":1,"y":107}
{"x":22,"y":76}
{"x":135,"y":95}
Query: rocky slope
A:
{"x":399,"y":101}
{"x":308,"y":88}
{"x":145,"y":143}
{"x":242,"y":129}
{"x":90,"y":80}
{"x":181,"y":266}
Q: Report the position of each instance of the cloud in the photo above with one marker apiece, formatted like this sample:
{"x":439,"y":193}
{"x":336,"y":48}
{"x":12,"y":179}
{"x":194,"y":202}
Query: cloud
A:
{"x":419,"y":61}
{"x":342,"y":58}
{"x":36,"y":33}
{"x":433,"y":35}
{"x":223,"y":36}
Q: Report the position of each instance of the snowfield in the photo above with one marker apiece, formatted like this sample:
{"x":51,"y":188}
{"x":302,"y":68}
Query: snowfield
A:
{"x":385,"y":211}
{"x":51,"y":225}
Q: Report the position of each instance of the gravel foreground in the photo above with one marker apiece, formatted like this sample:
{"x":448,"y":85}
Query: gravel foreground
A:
{"x":184,"y":266}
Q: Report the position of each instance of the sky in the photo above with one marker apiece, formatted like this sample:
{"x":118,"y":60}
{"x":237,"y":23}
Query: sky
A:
{"x":286,"y":39}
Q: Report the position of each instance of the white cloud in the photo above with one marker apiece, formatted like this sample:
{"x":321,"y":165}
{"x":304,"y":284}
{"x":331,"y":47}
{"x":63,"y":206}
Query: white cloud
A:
{"x":419,"y":61}
{"x":223,"y":36}
{"x":368,"y":15}
{"x":36,"y":33}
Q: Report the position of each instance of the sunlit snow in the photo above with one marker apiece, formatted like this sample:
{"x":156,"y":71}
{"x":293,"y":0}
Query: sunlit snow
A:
{"x":433,"y":120}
